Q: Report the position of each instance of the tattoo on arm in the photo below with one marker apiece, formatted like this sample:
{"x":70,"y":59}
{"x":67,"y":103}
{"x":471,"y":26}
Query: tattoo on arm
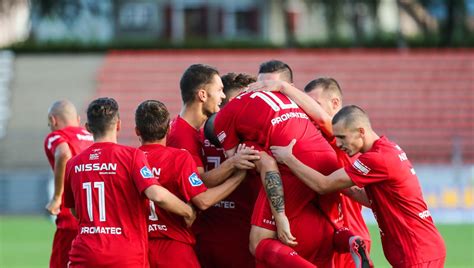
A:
{"x":274,"y":189}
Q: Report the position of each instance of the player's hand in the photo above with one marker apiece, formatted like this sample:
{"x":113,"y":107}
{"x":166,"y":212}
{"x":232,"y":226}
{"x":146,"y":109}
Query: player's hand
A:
{"x":284,"y":232}
{"x":53,"y":206}
{"x":190,"y":220}
{"x":268,"y":85}
{"x":283,"y":153}
{"x":244,"y":157}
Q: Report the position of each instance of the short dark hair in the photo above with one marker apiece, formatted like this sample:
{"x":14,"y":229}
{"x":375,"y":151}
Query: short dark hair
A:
{"x":152,"y":119}
{"x":276,"y":66}
{"x":235,"y":82}
{"x":196,"y":76}
{"x":350,"y":114}
{"x":102,"y":113}
{"x":326,"y":83}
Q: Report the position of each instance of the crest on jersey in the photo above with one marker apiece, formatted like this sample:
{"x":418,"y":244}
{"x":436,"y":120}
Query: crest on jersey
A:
{"x":195,"y":180}
{"x":146,"y":172}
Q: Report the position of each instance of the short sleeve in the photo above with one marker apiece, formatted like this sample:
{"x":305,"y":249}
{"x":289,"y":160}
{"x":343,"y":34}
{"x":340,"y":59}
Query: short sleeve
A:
{"x":224,"y":127}
{"x":53,"y":140}
{"x":369,"y":168}
{"x":189,"y":179}
{"x":68,"y":194}
{"x":141,"y":173}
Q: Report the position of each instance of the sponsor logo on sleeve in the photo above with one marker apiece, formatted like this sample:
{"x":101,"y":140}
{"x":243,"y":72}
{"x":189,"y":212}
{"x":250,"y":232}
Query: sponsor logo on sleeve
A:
{"x":359,"y":166}
{"x":221,"y":136}
{"x":146,"y":172}
{"x":195,"y":180}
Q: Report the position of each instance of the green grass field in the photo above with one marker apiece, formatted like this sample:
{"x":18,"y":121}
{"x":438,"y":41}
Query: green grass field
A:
{"x":26,"y":242}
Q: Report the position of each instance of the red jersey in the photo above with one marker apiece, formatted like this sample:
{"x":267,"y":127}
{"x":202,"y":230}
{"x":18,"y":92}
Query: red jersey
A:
{"x":177,"y":172}
{"x":78,"y":139}
{"x":271,"y":118}
{"x":105,"y":185}
{"x":351,"y":208}
{"x":408,"y":233}
{"x":184,"y":136}
{"x":229,"y":219}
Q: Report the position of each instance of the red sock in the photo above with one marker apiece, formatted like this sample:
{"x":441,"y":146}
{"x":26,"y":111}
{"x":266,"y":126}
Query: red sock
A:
{"x":341,"y":239}
{"x":275,"y":254}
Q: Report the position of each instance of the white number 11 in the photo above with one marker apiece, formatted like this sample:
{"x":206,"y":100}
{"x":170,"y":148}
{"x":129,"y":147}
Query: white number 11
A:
{"x":101,"y":194}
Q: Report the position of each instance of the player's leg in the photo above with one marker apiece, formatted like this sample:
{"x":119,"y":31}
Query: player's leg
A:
{"x":269,"y":251}
{"x":61,"y":246}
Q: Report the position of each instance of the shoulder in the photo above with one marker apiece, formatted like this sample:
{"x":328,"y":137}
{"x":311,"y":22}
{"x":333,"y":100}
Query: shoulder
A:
{"x":178,"y":155}
{"x":54,"y":137}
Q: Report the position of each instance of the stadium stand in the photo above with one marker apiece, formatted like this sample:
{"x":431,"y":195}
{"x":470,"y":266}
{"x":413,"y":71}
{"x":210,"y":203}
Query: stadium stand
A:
{"x":422,"y":99}
{"x":6,"y":73}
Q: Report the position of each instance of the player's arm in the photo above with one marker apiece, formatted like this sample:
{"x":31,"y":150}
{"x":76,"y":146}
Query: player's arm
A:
{"x":273,"y":185}
{"x":305,"y":102}
{"x":168,"y":201}
{"x":62,"y":154}
{"x":216,"y":194}
{"x":338,"y":180}
{"x":358,"y":194}
{"x":242,"y":158}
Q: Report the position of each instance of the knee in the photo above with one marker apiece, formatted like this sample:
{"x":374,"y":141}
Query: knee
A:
{"x":257,"y":234}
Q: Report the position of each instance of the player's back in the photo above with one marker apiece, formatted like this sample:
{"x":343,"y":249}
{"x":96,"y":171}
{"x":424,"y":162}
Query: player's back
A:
{"x":271,"y":118}
{"x":103,"y":187}
{"x":177,"y":172}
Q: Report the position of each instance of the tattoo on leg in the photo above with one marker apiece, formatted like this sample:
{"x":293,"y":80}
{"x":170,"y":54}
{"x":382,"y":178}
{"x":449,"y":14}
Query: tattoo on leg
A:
{"x":274,"y":189}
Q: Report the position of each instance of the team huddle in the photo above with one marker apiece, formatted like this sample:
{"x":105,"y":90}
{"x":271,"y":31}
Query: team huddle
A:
{"x":253,"y":172}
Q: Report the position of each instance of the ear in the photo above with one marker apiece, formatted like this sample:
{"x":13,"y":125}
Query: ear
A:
{"x":202,"y":94}
{"x":87,"y":127}
{"x":137,"y":132}
{"x":52,"y":120}
{"x":119,"y":125}
{"x":362,"y":131}
{"x":336,"y":103}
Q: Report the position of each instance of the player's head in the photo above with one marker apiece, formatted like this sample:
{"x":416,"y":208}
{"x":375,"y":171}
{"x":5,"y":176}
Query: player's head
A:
{"x":102,"y":117}
{"x":351,"y":127}
{"x":275,"y":70}
{"x":61,"y":114}
{"x":202,"y":84}
{"x":209,"y":132}
{"x":234,"y":84}
{"x":152,"y":121}
{"x":327,"y":92}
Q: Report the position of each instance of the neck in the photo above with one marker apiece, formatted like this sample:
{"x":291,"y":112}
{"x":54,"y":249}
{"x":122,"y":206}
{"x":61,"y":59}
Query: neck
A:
{"x":192,"y":113}
{"x":160,"y":142}
{"x":108,"y":137}
{"x":370,"y":139}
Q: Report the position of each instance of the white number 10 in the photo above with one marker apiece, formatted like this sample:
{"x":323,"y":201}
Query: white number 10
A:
{"x":101,"y":194}
{"x":275,"y":103}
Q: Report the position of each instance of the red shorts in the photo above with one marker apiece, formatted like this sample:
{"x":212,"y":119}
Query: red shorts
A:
{"x":233,"y":254}
{"x":61,"y":246}
{"x":313,"y":232}
{"x":438,"y":263}
{"x":165,"y":253}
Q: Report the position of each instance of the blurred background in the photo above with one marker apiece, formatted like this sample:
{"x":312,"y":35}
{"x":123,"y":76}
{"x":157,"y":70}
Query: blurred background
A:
{"x":409,"y":63}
